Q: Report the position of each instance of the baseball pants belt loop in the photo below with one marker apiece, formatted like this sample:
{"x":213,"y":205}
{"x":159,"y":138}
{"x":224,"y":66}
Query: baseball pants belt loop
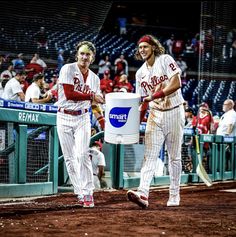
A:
{"x":71,"y":112}
{"x":164,"y":110}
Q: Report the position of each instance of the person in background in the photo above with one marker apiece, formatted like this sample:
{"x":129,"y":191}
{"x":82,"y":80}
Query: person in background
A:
{"x":124,"y":84}
{"x":183,"y":66}
{"x":227,"y":126}
{"x":106,"y":84}
{"x":18,"y":63}
{"x":33,"y":93}
{"x":98,"y":163}
{"x":227,"y":122}
{"x":60,"y":60}
{"x":13,"y":89}
{"x":104,"y":65}
{"x":39,"y":61}
{"x":121,"y":66}
{"x":9,"y":72}
{"x":204,"y":124}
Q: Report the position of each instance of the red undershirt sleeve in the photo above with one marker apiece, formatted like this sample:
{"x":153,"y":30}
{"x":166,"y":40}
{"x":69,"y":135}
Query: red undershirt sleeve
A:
{"x":75,"y":95}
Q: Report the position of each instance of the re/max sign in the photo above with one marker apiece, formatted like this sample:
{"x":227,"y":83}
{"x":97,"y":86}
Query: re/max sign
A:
{"x":28,"y":117}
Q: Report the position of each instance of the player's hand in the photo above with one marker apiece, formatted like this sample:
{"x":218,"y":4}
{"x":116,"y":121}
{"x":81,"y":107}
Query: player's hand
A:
{"x":148,"y":98}
{"x":99,"y":99}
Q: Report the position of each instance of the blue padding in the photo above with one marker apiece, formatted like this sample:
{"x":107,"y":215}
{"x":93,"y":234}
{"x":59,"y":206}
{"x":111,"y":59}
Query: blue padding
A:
{"x":11,"y":104}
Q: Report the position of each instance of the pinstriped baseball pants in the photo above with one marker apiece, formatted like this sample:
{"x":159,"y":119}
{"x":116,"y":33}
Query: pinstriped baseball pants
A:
{"x":74,"y":134}
{"x":163,"y":126}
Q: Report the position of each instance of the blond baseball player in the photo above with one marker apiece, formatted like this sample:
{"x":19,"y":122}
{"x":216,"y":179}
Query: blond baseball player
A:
{"x":78,"y":88}
{"x":158,"y":82}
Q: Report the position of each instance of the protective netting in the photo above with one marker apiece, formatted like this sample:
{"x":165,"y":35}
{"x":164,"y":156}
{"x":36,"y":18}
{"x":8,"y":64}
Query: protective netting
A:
{"x":215,"y":54}
{"x":64,"y":23}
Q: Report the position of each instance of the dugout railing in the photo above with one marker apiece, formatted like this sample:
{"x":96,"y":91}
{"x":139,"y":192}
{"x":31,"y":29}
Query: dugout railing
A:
{"x":28,"y":142}
{"x":123,"y":162}
{"x":220,"y":164}
{"x":31,"y":163}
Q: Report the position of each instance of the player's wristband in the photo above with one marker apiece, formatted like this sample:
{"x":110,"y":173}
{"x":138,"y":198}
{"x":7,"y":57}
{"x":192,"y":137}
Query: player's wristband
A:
{"x":158,"y":94}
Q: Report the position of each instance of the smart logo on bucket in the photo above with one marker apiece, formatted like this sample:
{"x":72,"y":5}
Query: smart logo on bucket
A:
{"x":118,"y":116}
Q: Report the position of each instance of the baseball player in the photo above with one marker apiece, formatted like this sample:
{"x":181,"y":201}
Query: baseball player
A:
{"x":158,"y":82}
{"x":98,"y":163}
{"x":33,"y":92}
{"x":78,"y":88}
{"x":13,"y":89}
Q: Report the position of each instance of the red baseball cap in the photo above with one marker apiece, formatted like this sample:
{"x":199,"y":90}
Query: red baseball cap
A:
{"x":99,"y":144}
{"x":204,"y":105}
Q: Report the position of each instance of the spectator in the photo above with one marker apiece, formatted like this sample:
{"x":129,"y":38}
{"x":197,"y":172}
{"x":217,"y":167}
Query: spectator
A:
{"x":122,"y":24}
{"x":39,"y":61}
{"x":106,"y":84}
{"x":53,"y":81}
{"x":18,"y":63}
{"x":203,"y":122}
{"x":233,"y":60}
{"x":60,"y":60}
{"x":169,"y":45}
{"x":183,"y":66}
{"x":227,"y":123}
{"x":178,"y":47}
{"x":103,"y":65}
{"x":3,"y":82}
{"x":13,"y":89}
{"x":32,"y":69}
{"x":9,"y":73}
{"x":123,"y":84}
{"x":227,"y":126}
{"x":98,"y":163}
{"x":33,"y":92}
{"x":2,"y":61}
{"x":41,"y":38}
{"x":121,"y":66}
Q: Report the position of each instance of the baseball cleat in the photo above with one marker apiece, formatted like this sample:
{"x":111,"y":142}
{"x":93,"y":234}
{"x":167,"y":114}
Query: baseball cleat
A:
{"x":88,"y":201}
{"x":173,"y":201}
{"x":137,"y":198}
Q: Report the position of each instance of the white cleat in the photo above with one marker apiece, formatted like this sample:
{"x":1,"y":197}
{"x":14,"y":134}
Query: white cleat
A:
{"x":173,"y":201}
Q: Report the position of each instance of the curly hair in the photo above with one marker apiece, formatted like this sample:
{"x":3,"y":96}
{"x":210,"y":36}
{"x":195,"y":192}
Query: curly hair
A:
{"x":150,"y":39}
{"x":90,"y":45}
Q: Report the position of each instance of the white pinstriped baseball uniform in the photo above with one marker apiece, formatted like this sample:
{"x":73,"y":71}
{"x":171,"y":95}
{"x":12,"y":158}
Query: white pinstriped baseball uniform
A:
{"x":166,"y":125}
{"x":74,"y":131}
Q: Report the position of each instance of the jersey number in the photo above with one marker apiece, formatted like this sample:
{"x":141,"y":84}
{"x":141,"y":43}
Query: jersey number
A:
{"x":172,"y":66}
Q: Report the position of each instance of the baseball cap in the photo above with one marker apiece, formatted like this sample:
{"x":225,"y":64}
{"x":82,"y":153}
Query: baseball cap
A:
{"x":107,"y":72}
{"x":189,"y":109}
{"x":99,"y":144}
{"x":204,"y":105}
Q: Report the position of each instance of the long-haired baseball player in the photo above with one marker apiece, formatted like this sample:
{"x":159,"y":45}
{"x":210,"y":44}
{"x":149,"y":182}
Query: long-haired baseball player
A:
{"x":158,"y":82}
{"x":78,"y":88}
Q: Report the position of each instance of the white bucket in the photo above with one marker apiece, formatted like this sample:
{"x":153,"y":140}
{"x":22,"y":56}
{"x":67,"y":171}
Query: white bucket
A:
{"x":122,"y":118}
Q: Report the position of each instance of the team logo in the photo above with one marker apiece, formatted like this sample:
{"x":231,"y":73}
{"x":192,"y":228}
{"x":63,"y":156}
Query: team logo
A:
{"x":119,"y":116}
